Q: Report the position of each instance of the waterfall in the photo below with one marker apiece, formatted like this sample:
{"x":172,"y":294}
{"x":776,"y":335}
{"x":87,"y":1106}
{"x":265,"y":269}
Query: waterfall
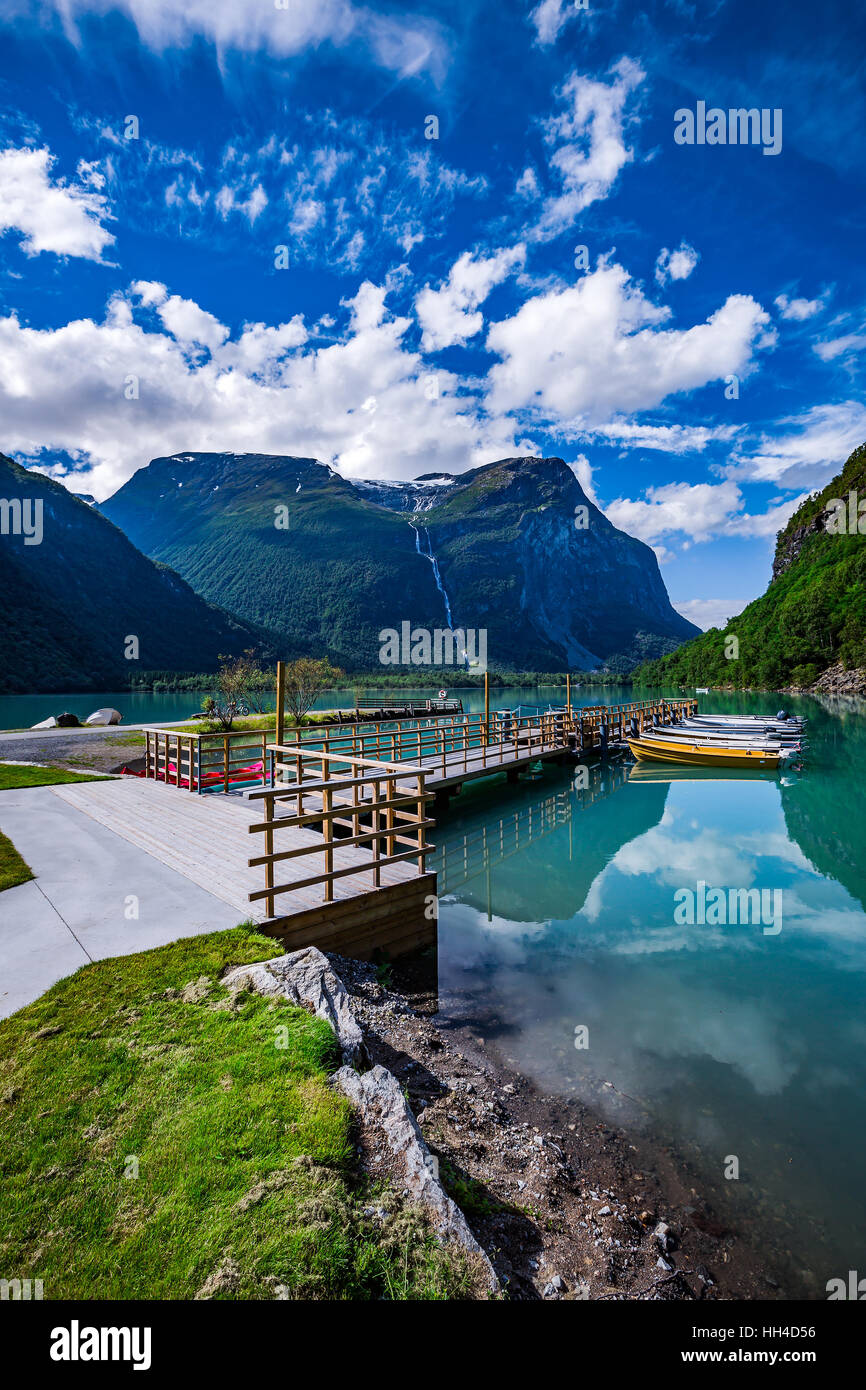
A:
{"x":428,"y":555}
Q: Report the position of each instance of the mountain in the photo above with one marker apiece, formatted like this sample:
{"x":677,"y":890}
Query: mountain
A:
{"x":290,"y":544}
{"x":75,"y":594}
{"x":809,"y":628}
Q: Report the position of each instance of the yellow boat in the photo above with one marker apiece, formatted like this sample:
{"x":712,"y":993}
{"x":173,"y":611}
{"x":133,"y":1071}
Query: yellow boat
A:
{"x":661,"y":750}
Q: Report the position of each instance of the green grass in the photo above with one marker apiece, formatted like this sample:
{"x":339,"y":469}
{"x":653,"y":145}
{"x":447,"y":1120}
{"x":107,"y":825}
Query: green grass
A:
{"x":13,"y":870}
{"x":14,"y":775}
{"x":245,"y":1162}
{"x":254,"y":722}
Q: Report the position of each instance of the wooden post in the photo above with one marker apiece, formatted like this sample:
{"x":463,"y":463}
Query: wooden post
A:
{"x":568,"y":691}
{"x":486,"y":707}
{"x":375,"y":822}
{"x":281,"y":705}
{"x":328,"y":831}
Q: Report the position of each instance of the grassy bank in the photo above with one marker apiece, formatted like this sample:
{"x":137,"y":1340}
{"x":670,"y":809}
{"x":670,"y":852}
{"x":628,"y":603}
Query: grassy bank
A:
{"x":14,"y":775}
{"x":159,"y":1139}
{"x":13,"y":869}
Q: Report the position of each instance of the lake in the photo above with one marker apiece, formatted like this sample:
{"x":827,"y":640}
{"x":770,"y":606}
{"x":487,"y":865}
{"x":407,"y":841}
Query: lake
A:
{"x":158,"y":707}
{"x":742,"y":1048}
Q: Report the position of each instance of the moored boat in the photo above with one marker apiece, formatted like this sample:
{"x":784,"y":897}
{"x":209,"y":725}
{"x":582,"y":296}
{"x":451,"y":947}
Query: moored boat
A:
{"x":699,"y":753}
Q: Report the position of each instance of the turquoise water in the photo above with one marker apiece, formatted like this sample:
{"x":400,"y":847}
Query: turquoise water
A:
{"x":558,"y":911}
{"x":148,"y":707}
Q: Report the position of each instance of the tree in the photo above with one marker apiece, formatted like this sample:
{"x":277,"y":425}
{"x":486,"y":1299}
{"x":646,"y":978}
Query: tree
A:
{"x":305,"y":680}
{"x":240,"y":683}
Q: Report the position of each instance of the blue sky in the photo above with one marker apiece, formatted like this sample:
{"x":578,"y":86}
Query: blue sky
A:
{"x":349,"y":231}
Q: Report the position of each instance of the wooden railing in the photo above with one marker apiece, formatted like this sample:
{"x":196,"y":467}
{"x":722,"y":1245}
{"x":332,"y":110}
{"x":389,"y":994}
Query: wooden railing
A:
{"x":350,"y":803}
{"x":205,"y":762}
{"x":493,"y":739}
{"x":435,"y":744}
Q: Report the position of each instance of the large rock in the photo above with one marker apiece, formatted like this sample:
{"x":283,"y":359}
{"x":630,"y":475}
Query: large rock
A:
{"x":104,"y":716}
{"x":305,"y":978}
{"x":382,"y":1106}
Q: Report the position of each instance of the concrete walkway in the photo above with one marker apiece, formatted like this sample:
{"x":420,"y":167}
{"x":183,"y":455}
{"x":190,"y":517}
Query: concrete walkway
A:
{"x":87,"y":880}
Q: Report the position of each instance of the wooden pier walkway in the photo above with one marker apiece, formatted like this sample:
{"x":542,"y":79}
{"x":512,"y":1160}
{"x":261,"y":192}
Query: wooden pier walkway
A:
{"x":341,"y":814}
{"x":208,"y":841}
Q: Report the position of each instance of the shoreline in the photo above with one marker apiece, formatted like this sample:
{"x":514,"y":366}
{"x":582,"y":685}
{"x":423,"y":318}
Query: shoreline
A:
{"x":566,"y":1203}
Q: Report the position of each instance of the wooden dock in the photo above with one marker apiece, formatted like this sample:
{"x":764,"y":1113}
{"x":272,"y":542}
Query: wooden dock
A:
{"x":341,"y":815}
{"x":208,"y":841}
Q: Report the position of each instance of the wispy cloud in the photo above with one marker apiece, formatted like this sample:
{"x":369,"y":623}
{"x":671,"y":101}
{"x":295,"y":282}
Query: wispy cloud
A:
{"x":803,"y":450}
{"x":404,"y":44}
{"x":587,"y":145}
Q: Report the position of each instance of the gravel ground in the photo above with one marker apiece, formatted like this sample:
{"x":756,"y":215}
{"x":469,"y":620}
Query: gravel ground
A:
{"x":566,"y":1206}
{"x":96,"y":751}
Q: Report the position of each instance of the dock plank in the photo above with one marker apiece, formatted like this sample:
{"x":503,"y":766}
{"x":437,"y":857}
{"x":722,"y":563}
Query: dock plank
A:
{"x":208,"y":841}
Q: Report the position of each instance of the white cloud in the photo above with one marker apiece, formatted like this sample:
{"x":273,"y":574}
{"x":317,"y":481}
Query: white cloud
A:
{"x":527,"y":185}
{"x":359,"y":403}
{"x":188,"y":323}
{"x":710,"y":612}
{"x":697,"y":512}
{"x":804,"y":450}
{"x":450,"y":314}
{"x":595,"y":349}
{"x":550,"y":18}
{"x":798,"y":309}
{"x":676,"y":265}
{"x":670,"y":439}
{"x":52,"y":214}
{"x":402,"y":44}
{"x":846,"y":346}
{"x":306,"y":214}
{"x":583,"y":470}
{"x":588,"y":145}
{"x":230,"y":200}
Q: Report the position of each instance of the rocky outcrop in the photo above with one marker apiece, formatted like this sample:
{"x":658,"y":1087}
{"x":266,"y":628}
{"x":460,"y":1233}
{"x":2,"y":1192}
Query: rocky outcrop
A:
{"x":790,"y":543}
{"x":305,"y":978}
{"x":837,"y":681}
{"x":381,"y":1105}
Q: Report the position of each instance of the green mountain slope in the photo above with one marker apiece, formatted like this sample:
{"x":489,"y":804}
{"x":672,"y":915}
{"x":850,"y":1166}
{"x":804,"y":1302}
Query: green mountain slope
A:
{"x":516,"y":563}
{"x":353,"y":559}
{"x":812,"y":617}
{"x":70,"y":602}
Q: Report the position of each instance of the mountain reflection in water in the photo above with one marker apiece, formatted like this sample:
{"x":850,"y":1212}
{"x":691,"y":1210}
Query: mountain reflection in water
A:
{"x":557,"y":910}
